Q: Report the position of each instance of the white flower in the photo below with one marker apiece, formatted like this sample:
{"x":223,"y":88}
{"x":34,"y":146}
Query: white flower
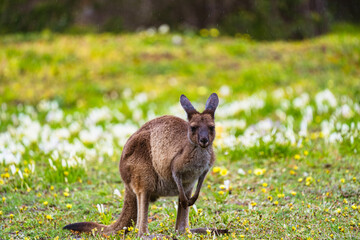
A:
{"x":225,"y":90}
{"x":195,"y":208}
{"x":164,"y":29}
{"x":13,"y":169}
{"x":301,"y":101}
{"x":177,"y":40}
{"x":227,"y":184}
{"x":346,"y":111}
{"x":117,"y":192}
{"x":91,"y":135}
{"x":241,"y":171}
{"x":324,"y":99}
{"x":55,"y":115}
{"x":151,"y":31}
{"x":20,"y":174}
{"x":100,"y":208}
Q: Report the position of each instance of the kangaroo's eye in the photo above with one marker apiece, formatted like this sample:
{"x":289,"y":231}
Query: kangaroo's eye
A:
{"x":211,"y":128}
{"x":193,"y":128}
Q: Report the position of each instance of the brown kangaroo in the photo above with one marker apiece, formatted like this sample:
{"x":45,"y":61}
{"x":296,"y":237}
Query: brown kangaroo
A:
{"x":165,"y":157}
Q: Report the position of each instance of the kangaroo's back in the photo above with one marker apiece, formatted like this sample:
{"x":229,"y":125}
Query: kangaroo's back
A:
{"x":168,"y":137}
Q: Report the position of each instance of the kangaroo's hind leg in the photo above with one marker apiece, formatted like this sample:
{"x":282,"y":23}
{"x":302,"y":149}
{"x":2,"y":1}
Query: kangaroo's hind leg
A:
{"x":143,"y":208}
{"x":182,"y":218}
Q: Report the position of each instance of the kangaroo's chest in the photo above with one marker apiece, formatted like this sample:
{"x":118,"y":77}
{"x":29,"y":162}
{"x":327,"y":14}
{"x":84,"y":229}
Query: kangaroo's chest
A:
{"x":194,"y":165}
{"x":197,"y":164}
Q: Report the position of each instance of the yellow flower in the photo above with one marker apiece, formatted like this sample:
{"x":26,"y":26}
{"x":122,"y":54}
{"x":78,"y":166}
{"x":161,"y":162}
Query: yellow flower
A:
{"x":52,"y":188}
{"x":293,"y":228}
{"x":221,"y":192}
{"x":11,"y":215}
{"x":276,"y":203}
{"x":242,"y":236}
{"x":66,"y":173}
{"x":333,"y":219}
{"x":3,"y":199}
{"x":354,"y":207}
{"x":214,"y":32}
{"x":270,"y":198}
{"x":259,"y":171}
{"x":293,"y":193}
{"x":1,"y":212}
{"x":5,"y":175}
{"x":338,"y":210}
{"x":216,"y":169}
{"x":354,"y":179}
{"x":45,"y":203}
{"x":300,"y":179}
{"x":28,"y":189}
{"x":208,"y":231}
{"x":68,"y":206}
{"x":306,"y":153}
{"x":345,"y":201}
{"x":223,"y":172}
{"x":49,"y":217}
{"x":292,"y":172}
{"x":297,"y":157}
{"x":342,"y":180}
{"x":253,"y":204}
{"x":265,"y":184}
{"x":66,"y":194}
{"x":204,"y":32}
{"x":2,"y":182}
{"x":263,"y":190}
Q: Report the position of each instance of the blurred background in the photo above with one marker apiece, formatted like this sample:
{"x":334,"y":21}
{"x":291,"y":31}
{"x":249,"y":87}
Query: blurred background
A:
{"x":260,"y":19}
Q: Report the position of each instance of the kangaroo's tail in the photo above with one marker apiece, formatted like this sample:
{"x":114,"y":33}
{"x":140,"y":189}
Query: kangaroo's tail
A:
{"x":127,"y":217}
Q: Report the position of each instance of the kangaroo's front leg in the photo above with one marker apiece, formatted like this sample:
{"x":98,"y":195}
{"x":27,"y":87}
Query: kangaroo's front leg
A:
{"x":183,"y":199}
{"x":193,"y":199}
{"x":143,"y":207}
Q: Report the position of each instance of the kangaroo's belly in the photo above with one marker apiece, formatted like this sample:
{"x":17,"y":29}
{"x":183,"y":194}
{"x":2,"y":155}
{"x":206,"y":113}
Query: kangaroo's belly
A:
{"x":169,"y":188}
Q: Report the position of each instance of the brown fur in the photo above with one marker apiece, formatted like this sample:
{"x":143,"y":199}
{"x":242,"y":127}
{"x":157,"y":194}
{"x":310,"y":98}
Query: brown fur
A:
{"x":165,"y":157}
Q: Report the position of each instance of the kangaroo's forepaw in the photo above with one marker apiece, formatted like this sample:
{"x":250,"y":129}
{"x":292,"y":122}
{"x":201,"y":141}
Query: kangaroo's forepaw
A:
{"x":192,"y":201}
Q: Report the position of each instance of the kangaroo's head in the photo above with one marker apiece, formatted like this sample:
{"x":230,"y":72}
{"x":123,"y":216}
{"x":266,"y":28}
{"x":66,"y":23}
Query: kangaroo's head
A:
{"x":201,"y":129}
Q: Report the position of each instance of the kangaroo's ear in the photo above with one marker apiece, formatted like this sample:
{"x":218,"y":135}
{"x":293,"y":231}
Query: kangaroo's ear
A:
{"x":211,"y":104}
{"x":187,"y":106}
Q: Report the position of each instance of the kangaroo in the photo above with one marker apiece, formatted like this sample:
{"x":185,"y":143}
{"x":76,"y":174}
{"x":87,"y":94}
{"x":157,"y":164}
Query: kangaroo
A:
{"x":165,"y":157}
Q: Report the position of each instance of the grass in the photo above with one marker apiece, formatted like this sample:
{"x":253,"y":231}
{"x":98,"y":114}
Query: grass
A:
{"x":287,"y":131}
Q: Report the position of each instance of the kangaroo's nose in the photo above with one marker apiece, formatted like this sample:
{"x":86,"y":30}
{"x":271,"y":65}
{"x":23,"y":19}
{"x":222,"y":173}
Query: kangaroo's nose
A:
{"x":204,"y":142}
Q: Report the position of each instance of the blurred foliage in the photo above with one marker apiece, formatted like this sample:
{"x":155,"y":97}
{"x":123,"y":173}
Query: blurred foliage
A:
{"x":88,"y":69}
{"x":261,"y":19}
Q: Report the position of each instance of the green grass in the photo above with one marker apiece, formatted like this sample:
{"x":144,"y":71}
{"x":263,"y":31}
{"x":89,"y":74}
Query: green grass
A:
{"x":76,"y":99}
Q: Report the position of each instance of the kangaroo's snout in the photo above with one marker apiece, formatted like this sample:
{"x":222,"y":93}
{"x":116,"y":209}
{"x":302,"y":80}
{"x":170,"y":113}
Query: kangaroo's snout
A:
{"x":203,"y":137}
{"x":204,"y":142}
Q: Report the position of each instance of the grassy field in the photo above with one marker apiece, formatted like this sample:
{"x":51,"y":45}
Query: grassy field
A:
{"x":287,"y":143}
